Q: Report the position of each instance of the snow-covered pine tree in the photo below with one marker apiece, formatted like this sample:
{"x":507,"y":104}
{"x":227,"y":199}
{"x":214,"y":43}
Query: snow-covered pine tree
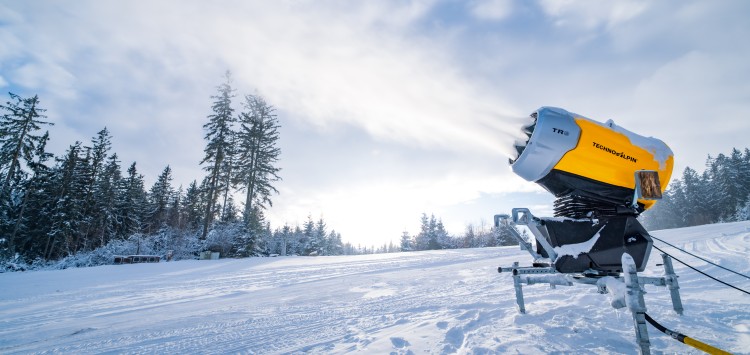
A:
{"x":665,"y":213}
{"x":470,"y":237}
{"x":23,"y":235}
{"x":320,"y":234}
{"x":284,"y":240}
{"x":257,"y":155}
{"x":226,"y":177}
{"x":298,"y":241}
{"x":20,"y":123}
{"x":107,"y":218}
{"x":254,"y":225}
{"x":312,"y":242}
{"x":727,"y":182}
{"x":218,"y":137}
{"x":230,"y":214}
{"x":159,"y":197}
{"x":421,"y":240}
{"x":334,"y":244}
{"x":255,"y":235}
{"x":406,"y":242}
{"x":66,"y":214}
{"x":131,"y":203}
{"x":443,"y":239}
{"x":741,"y":171}
{"x":504,"y":236}
{"x":174,"y":213}
{"x":192,"y":207}
{"x":90,"y":173}
{"x":692,"y":199}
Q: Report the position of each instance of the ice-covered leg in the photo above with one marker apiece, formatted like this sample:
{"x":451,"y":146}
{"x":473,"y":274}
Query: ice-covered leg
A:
{"x":519,"y":291}
{"x":636,"y":303}
{"x":671,"y":280}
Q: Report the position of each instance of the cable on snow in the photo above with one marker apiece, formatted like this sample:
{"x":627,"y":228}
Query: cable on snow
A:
{"x":703,"y":273}
{"x":689,"y":253}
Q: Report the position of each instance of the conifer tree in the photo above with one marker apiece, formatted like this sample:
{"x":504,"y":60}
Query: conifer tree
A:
{"x":19,"y":123}
{"x":159,"y":198}
{"x":219,"y":139}
{"x":320,"y":235}
{"x":285,"y":236}
{"x":334,"y":244}
{"x":310,"y":241}
{"x":406,"y":242}
{"x":175,"y":217}
{"x":226,"y":177}
{"x":69,"y":189}
{"x":257,"y":154}
{"x":34,"y":199}
{"x":107,"y":217}
{"x":132,"y":203}
{"x":442,"y":238}
{"x":192,"y":207}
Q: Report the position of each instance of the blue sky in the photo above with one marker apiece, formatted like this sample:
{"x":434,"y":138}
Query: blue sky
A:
{"x":388,"y":108}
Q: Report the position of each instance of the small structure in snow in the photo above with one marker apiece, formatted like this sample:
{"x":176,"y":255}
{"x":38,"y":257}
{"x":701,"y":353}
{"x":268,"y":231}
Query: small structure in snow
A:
{"x":136,"y":259}
{"x":209,"y":255}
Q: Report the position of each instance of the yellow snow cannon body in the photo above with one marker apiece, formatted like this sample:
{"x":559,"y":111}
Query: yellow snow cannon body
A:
{"x":588,"y":164}
{"x":603,"y":176}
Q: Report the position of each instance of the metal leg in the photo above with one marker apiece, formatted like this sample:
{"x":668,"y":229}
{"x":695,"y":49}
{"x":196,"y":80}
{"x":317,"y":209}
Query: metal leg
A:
{"x":671,"y":280}
{"x":636,"y":303}
{"x":519,"y":291}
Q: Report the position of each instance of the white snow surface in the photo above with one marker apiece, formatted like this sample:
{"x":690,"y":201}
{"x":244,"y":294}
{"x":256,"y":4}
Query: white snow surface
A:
{"x":437,"y":302}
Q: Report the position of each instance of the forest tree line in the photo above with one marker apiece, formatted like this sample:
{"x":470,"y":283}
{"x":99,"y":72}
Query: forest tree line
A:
{"x":84,"y":207}
{"x":57,"y":207}
{"x":721,"y":193}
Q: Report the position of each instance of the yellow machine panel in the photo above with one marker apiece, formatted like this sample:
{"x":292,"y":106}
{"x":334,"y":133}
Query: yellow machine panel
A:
{"x":608,"y":156}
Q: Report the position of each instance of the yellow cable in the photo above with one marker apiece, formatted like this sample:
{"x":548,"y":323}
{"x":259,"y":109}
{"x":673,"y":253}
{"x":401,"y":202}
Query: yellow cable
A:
{"x":704,"y":347}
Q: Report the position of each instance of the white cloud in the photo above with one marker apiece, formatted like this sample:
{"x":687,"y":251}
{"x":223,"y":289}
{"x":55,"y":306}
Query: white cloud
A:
{"x":491,"y":9}
{"x":43,"y":74}
{"x":590,"y":14}
{"x":342,"y":70}
{"x":698,"y":104}
{"x":329,"y":64}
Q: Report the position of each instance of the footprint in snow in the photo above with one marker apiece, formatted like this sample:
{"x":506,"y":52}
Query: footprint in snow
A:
{"x":399,"y":343}
{"x":455,"y":337}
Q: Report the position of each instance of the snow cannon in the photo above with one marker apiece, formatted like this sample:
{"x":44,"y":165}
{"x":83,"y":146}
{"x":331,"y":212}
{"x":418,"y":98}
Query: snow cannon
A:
{"x":590,"y":166}
{"x":603,"y":176}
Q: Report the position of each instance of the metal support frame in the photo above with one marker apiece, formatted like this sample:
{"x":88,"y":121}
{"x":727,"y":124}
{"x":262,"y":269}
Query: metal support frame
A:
{"x":671,"y":279}
{"x":636,"y":303}
{"x":523,"y":217}
{"x":633,"y":285}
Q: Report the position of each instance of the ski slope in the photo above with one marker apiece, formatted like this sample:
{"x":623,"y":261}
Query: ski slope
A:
{"x":440,"y":302}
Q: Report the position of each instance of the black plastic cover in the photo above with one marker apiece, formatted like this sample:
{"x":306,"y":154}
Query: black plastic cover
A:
{"x":617,"y":235}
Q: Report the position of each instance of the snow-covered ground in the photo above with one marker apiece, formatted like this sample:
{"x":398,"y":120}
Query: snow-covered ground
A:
{"x":450,"y":301}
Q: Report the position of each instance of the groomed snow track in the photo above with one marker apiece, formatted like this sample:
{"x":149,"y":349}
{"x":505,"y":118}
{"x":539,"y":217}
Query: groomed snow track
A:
{"x":450,"y":301}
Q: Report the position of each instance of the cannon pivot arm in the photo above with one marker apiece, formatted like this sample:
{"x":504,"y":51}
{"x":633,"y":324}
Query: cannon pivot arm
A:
{"x":523,"y":217}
